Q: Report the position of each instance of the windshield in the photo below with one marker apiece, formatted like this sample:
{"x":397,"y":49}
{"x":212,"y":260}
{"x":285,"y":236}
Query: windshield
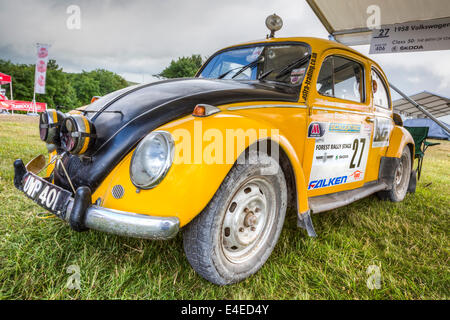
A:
{"x":252,"y":62}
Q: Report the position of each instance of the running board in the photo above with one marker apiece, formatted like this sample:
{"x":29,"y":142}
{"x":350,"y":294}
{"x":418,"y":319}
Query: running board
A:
{"x":339,"y":199}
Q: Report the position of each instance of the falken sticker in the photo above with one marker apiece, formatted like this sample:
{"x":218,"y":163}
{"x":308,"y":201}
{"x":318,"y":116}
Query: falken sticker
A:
{"x":322,"y":183}
{"x":316,"y":130}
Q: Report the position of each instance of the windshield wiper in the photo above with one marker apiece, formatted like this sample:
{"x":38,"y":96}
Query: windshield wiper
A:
{"x":292,"y":65}
{"x":265,"y":74}
{"x":250,"y":65}
{"x":242,"y":69}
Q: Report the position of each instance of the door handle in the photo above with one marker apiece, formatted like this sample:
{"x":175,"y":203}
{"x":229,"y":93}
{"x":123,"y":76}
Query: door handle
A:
{"x":370,"y":120}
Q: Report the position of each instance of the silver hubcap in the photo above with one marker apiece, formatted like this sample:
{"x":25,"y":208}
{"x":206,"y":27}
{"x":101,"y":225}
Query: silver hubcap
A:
{"x":248,"y":220}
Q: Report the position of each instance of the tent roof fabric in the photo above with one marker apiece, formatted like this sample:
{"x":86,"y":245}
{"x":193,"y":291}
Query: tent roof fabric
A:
{"x":434,"y":130}
{"x":346,"y":20}
{"x":437,"y":105}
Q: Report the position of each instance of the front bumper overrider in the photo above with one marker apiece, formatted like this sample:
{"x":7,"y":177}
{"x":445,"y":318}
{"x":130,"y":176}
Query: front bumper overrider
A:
{"x":82,"y":215}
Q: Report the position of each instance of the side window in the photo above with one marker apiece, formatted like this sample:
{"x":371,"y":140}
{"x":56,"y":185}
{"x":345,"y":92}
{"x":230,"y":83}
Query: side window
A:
{"x":379,"y":89}
{"x":341,"y":78}
{"x":325,"y":80}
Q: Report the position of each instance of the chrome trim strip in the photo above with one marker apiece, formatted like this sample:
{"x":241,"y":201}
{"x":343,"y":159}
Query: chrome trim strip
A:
{"x":131,"y":224}
{"x":258,"y":106}
{"x":342,"y":110}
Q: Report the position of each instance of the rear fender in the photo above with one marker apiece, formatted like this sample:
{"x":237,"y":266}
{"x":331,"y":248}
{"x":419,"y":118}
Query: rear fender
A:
{"x":400,"y":138}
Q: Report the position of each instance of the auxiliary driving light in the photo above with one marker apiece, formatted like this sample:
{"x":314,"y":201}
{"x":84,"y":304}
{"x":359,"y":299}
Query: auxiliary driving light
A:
{"x":273,"y":23}
{"x":77,"y":134}
{"x":49,"y":125}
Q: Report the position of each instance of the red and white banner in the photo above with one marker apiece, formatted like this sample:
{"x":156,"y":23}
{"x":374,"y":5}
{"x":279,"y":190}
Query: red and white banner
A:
{"x":4,"y":78}
{"x":41,"y":68}
{"x":22,"y":105}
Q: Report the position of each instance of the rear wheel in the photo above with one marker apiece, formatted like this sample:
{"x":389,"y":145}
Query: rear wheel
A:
{"x":401,"y":179}
{"x":236,"y":233}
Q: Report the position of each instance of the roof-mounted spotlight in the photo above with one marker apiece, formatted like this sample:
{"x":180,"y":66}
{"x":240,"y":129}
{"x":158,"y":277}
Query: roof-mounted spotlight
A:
{"x":273,"y":23}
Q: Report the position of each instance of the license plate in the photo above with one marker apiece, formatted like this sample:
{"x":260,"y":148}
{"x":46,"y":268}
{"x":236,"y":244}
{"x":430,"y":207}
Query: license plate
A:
{"x":46,"y":194}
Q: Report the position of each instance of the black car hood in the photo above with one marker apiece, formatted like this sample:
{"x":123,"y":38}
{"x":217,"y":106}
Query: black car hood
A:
{"x":124,"y":117}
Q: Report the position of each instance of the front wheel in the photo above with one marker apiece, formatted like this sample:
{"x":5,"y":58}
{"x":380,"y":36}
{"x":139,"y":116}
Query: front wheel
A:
{"x":235,"y":234}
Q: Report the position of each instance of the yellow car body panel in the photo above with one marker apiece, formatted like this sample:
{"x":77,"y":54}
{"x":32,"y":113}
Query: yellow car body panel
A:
{"x":400,"y":139}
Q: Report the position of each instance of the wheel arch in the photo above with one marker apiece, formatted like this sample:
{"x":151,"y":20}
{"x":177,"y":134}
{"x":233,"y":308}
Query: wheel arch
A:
{"x":400,"y":139}
{"x":293,"y":173}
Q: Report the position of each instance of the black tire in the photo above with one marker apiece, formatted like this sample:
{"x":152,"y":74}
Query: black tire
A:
{"x":207,"y":239}
{"x":402,"y":176}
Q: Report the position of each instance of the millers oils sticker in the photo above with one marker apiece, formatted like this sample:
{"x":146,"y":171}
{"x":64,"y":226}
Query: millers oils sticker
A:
{"x":340,"y":153}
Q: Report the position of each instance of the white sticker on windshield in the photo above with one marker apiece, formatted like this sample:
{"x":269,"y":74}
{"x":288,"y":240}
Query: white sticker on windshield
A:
{"x":255,"y":54}
{"x":297,"y":75}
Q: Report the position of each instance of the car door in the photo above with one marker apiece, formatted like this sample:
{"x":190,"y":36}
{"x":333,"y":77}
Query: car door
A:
{"x":339,"y":125}
{"x":383,"y":122}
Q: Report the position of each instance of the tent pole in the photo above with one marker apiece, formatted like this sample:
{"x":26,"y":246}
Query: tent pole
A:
{"x":422,"y":109}
{"x":11,"y":93}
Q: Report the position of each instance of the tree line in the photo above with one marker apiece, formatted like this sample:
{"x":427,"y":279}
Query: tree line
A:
{"x":72,"y":90}
{"x":64,"y":90}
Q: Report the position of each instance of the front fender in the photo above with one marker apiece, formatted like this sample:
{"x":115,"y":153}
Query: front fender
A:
{"x":192,"y":179}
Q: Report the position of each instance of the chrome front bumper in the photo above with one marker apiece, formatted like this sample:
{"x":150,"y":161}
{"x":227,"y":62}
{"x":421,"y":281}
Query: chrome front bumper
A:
{"x":131,"y":224}
{"x":82,"y":215}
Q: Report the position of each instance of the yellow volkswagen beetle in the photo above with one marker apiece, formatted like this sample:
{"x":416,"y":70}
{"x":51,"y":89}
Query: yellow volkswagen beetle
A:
{"x":265,"y":125}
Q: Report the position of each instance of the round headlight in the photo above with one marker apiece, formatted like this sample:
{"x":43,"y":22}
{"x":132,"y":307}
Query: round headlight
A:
{"x":49,"y":126}
{"x":77,"y":134}
{"x":152,"y":160}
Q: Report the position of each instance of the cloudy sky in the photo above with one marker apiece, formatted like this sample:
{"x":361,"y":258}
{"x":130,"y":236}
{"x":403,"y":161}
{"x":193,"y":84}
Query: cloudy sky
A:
{"x":138,"y":38}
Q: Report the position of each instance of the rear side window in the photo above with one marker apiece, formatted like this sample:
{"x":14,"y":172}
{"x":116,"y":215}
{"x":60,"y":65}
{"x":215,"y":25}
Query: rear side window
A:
{"x":380,"y":92}
{"x":341,"y":78}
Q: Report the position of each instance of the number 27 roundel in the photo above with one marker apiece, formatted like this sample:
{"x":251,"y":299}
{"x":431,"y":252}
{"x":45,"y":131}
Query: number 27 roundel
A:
{"x":316,"y":130}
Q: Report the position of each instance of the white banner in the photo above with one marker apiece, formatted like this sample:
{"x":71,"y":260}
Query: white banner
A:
{"x":412,"y":37}
{"x":41,"y":68}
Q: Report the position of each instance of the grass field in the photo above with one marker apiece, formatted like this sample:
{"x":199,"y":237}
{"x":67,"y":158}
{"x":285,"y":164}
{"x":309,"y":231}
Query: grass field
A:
{"x":408,"y":241}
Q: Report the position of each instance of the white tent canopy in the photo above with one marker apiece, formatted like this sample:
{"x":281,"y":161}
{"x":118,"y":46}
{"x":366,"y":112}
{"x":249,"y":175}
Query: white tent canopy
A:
{"x":438,"y":105}
{"x":346,"y":20}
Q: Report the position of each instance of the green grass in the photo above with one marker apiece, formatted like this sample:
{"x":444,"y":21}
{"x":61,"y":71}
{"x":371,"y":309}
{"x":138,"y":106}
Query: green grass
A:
{"x":408,"y":241}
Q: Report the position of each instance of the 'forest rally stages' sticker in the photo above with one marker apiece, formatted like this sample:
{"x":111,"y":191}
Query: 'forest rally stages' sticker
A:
{"x":340,"y":153}
{"x":308,"y":81}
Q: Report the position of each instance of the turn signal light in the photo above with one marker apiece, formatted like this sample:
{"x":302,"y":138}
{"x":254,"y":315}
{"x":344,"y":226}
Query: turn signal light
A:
{"x":204,"y":110}
{"x":199,"y":111}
